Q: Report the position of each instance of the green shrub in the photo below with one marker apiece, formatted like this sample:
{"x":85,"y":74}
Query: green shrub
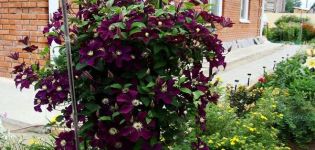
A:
{"x":296,"y":100}
{"x":242,"y":99}
{"x":253,"y":131}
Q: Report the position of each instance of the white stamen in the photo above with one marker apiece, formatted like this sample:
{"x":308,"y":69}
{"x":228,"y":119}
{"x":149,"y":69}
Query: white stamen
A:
{"x":197,"y":30}
{"x":147,"y":34}
{"x":105,"y":101}
{"x":90,"y":53}
{"x":138,"y":126}
{"x":113,"y":131}
{"x":135,"y":102}
{"x":59,"y":88}
{"x":160,"y":23}
{"x":63,"y":143}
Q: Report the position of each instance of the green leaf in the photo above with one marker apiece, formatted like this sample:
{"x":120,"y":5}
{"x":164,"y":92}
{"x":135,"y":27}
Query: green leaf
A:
{"x":159,"y":64}
{"x":115,"y":114}
{"x":150,"y":84}
{"x":118,"y":24}
{"x":105,"y":118}
{"x":109,"y":3}
{"x":138,"y":25}
{"x":80,"y":66}
{"x":133,"y":31}
{"x":92,"y":107}
{"x":146,"y":101}
{"x":197,"y":94}
{"x":188,"y":5}
{"x":159,"y":12}
{"x":185,"y":90}
{"x":116,"y":86}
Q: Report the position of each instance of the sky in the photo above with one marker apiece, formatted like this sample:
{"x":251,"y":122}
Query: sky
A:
{"x":310,"y":2}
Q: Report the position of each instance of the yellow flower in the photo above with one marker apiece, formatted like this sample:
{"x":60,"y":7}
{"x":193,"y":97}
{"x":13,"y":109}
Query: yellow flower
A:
{"x":252,"y":129}
{"x":53,"y":120}
{"x":33,"y":141}
{"x":210,"y":141}
{"x":275,"y":91}
{"x":219,"y":79}
{"x":263,"y":117}
{"x":280,"y":116}
{"x":310,"y":62}
{"x":234,"y":140}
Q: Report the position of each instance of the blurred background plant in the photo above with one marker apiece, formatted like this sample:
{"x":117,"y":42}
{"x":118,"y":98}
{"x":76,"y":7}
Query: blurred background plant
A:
{"x":288,"y":28}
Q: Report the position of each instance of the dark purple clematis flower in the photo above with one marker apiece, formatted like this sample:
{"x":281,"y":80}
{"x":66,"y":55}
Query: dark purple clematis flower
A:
{"x":54,"y":89}
{"x":149,"y":9}
{"x":18,"y":68}
{"x":67,"y":113}
{"x":31,"y":48}
{"x":65,"y":141}
{"x":226,"y":22}
{"x":138,"y":128}
{"x":197,"y":80}
{"x":181,"y":17}
{"x":14,"y":56}
{"x":87,"y":13}
{"x":25,"y":78}
{"x":165,"y":91}
{"x":128,"y":100}
{"x":134,"y":16}
{"x":92,"y":52}
{"x":57,"y":15}
{"x":107,"y":133}
{"x":160,"y":22}
{"x":47,"y":28}
{"x":52,"y":38}
{"x":118,"y":53}
{"x":57,"y":24}
{"x":25,"y":40}
{"x":176,"y":39}
{"x":196,"y":29}
{"x":146,"y":35}
{"x":199,"y":145}
{"x":209,"y":17}
{"x":106,"y":30}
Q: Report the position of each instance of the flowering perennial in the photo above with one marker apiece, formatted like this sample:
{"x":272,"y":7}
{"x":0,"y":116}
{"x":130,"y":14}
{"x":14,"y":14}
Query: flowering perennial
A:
{"x":137,"y":70}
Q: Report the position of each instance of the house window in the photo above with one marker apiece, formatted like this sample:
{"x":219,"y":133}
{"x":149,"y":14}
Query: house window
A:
{"x":216,"y":7}
{"x":244,"y":11}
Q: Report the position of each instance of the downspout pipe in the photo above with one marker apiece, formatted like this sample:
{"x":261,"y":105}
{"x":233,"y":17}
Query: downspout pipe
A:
{"x":53,"y":6}
{"x":262,"y":18}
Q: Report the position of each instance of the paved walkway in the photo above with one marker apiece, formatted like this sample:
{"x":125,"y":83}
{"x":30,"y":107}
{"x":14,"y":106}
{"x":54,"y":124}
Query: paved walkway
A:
{"x":18,"y":105}
{"x":240,"y":62}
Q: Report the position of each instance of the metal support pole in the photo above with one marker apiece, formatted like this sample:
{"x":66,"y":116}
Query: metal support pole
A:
{"x":70,"y":73}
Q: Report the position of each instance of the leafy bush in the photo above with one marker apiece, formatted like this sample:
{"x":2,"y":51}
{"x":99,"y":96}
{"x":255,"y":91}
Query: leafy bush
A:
{"x":296,"y":100}
{"x":288,"y":28}
{"x":252,"y":131}
{"x":243,"y":99}
{"x":137,"y":69}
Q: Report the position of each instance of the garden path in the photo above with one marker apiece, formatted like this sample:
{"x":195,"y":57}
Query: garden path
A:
{"x":251,"y":59}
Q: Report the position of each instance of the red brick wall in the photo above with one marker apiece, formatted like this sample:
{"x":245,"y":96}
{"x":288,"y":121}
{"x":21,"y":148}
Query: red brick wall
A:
{"x":19,"y":18}
{"x":231,"y":8}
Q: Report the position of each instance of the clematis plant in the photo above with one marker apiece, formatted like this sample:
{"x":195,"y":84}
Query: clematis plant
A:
{"x":137,"y":69}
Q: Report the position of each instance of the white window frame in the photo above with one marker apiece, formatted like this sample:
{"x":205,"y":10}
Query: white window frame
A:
{"x":218,"y":5}
{"x":54,"y":49}
{"x":244,"y":19}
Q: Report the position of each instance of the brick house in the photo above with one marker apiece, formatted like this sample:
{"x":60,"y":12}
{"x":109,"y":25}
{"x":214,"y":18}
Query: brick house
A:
{"x":20,"y":18}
